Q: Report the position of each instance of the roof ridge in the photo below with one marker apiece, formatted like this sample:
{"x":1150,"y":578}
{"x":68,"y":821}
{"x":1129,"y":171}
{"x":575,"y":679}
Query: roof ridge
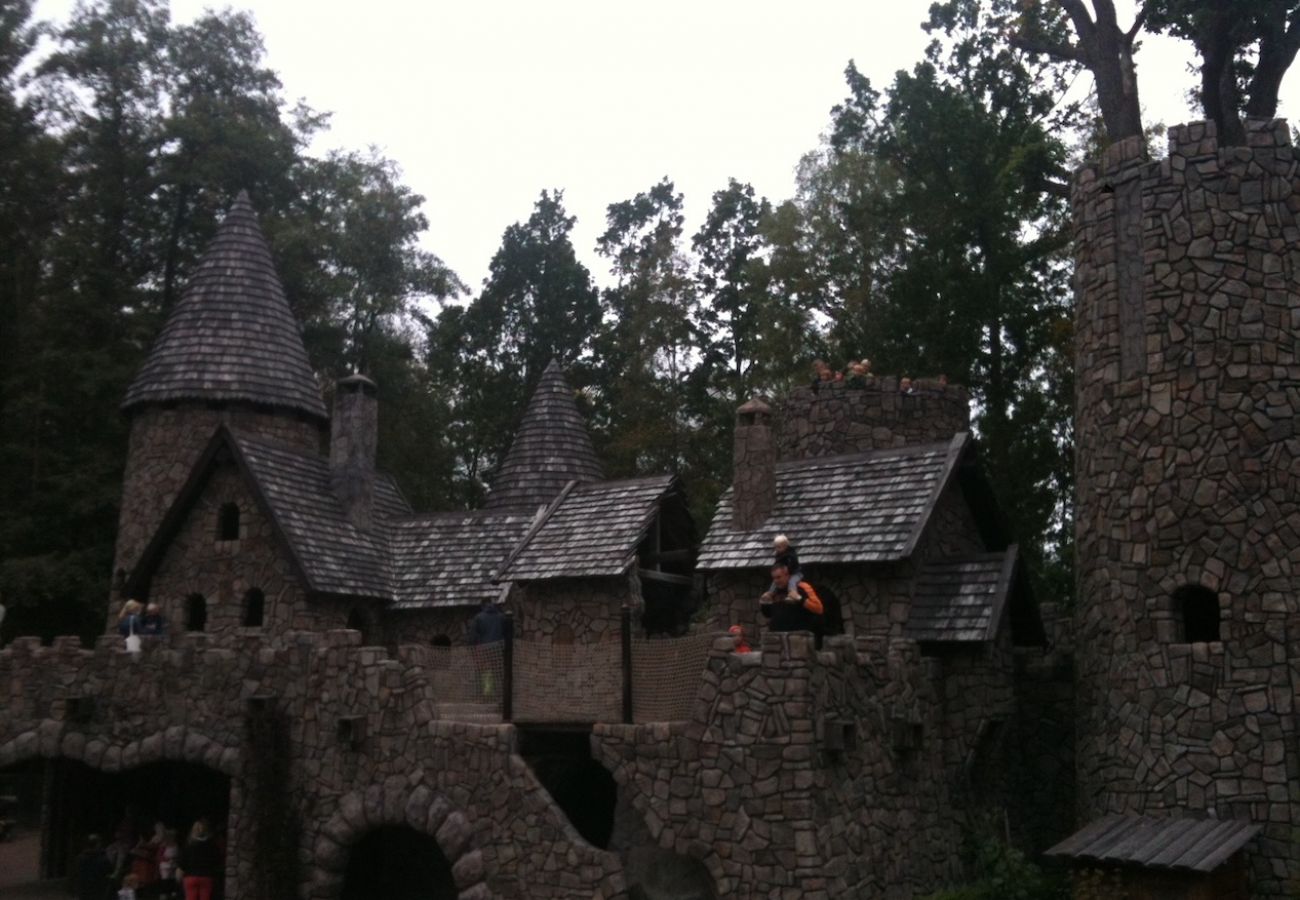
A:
{"x":232,"y":336}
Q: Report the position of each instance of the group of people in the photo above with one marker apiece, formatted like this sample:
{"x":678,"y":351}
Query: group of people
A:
{"x":858,"y":374}
{"x":135,"y":618}
{"x":790,"y":603}
{"x":156,"y":865}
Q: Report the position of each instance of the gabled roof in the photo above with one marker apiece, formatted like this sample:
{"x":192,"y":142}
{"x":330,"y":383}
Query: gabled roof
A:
{"x":551,"y":448}
{"x":1185,"y":844}
{"x":590,"y":530}
{"x":330,"y":555}
{"x":961,"y":600}
{"x":861,"y":507}
{"x":232,"y":335}
{"x":450,"y":559}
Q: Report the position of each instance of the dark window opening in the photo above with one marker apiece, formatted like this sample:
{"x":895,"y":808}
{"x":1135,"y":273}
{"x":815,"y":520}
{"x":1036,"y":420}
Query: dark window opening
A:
{"x":440,"y":640}
{"x":196,"y":613}
{"x":254,"y":608}
{"x":228,"y":522}
{"x":357,"y":621}
{"x":1197,"y":611}
{"x":582,"y":788}
{"x":398,"y":863}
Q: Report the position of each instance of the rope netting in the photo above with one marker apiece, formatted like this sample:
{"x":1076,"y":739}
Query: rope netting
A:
{"x":468,"y":676}
{"x":568,"y":682}
{"x":666,"y":676}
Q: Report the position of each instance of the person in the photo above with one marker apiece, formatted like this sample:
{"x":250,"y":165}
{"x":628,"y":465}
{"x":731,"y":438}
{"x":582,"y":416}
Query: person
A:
{"x":169,"y":852}
{"x":93,"y":870}
{"x":487,"y":627}
{"x":787,"y":609}
{"x":152,"y":622}
{"x":784,"y":553}
{"x":144,"y":861}
{"x":199,"y":862}
{"x":128,"y":620}
{"x":738,"y":635}
{"x":130,"y":888}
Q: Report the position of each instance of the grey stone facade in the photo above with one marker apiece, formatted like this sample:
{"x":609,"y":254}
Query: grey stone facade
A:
{"x":1188,"y":469}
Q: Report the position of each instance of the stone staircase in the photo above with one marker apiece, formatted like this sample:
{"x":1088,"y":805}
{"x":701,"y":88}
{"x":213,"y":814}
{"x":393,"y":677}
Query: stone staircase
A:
{"x":476,"y":713}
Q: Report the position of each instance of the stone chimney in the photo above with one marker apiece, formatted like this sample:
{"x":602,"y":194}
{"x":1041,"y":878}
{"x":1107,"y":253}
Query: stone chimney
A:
{"x":753,"y":466}
{"x":353,"y":436}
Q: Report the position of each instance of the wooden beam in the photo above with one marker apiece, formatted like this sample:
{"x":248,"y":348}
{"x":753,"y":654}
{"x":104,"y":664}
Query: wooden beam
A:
{"x":651,"y":575}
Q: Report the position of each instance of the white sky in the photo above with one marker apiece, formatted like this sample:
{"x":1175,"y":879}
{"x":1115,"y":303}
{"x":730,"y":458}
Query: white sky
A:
{"x":486,"y":102}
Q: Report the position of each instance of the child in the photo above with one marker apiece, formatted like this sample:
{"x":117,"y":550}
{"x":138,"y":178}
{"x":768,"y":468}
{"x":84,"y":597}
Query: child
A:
{"x":738,"y":635}
{"x":786,"y":555}
{"x":169,"y":852}
{"x":129,"y":886}
{"x":152,"y":622}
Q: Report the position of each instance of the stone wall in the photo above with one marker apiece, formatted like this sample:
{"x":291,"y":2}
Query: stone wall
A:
{"x":187,"y":697}
{"x":845,"y":418}
{"x":1188,"y":316}
{"x":574,"y":610}
{"x":223,"y":572}
{"x":806,"y":773}
{"x":164,"y":445}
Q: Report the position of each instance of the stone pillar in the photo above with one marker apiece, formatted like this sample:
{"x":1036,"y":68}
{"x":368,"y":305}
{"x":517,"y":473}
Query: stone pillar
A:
{"x":353,"y":439}
{"x":1187,"y":342}
{"x":753,"y":476}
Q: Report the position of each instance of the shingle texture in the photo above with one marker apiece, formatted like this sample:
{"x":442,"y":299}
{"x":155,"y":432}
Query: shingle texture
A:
{"x":450,"y":559}
{"x":335,"y":557}
{"x":390,"y":502}
{"x":232,"y":336}
{"x":864,"y":507}
{"x":960,"y":600}
{"x":551,"y":448}
{"x":593,"y":531}
{"x":1197,"y":845}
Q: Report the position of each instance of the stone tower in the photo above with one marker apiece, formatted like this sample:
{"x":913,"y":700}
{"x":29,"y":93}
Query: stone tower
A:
{"x":230,"y":353}
{"x":1188,"y":519}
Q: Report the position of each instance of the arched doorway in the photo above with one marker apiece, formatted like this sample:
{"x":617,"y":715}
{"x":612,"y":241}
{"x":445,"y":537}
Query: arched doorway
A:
{"x":394,"y":862}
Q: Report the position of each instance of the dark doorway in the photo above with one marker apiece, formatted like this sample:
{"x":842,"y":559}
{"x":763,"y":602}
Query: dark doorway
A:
{"x":398,"y":863}
{"x":582,"y":788}
{"x":1197,"y":609}
{"x":124,"y":806}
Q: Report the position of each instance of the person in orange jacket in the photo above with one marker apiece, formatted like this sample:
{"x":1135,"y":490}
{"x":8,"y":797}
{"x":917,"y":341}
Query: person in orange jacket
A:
{"x":784,"y":612}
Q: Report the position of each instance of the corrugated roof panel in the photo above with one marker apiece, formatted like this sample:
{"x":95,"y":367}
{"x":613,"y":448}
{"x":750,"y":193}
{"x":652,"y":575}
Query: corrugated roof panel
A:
{"x":1174,"y":843}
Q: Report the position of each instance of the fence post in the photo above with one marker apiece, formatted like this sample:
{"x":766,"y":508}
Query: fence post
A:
{"x":627,"y":665}
{"x":508,"y":669}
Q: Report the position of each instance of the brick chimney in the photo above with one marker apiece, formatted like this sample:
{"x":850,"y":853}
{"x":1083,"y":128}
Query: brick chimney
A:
{"x":753,"y":466}
{"x":353,"y":436}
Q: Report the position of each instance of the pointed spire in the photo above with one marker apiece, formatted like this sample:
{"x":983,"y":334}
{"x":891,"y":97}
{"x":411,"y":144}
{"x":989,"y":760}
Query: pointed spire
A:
{"x":232,"y":335}
{"x":551,"y":448}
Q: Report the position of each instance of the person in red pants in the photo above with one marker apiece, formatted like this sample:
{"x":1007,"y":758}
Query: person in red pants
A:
{"x":199,"y":863}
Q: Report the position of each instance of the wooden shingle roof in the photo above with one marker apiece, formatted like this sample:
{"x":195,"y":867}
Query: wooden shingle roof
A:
{"x":961,"y":600}
{"x":232,"y":336}
{"x":1183,"y":844}
{"x":551,"y":448}
{"x":862,"y":507}
{"x":590,"y":530}
{"x":450,"y":559}
{"x":333,"y":555}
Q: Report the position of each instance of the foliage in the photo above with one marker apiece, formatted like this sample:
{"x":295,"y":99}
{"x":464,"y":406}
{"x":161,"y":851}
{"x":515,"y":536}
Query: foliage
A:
{"x":1002,"y":872}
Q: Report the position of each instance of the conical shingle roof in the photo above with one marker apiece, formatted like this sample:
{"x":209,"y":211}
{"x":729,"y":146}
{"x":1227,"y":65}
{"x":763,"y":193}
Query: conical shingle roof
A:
{"x":232,"y":336}
{"x":551,"y":448}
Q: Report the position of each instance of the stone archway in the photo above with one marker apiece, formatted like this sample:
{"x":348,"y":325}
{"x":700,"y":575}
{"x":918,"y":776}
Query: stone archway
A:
{"x":55,"y":739}
{"x":395,"y":804}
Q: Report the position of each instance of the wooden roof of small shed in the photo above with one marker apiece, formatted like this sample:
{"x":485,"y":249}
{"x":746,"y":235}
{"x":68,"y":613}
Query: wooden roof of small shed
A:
{"x":961,"y":600}
{"x":1174,"y":843}
{"x":450,"y":559}
{"x":861,"y":507}
{"x":232,"y":335}
{"x":590,"y":530}
{"x":550,"y":449}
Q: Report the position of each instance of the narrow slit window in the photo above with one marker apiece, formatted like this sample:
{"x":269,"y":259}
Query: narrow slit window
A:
{"x":254,"y":608}
{"x":1198,"y":613}
{"x":196,"y":613}
{"x":228,"y":522}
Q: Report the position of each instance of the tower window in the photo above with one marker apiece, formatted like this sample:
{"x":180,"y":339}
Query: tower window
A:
{"x":196,"y":613}
{"x":228,"y":522}
{"x":1197,"y":611}
{"x":254,"y":608}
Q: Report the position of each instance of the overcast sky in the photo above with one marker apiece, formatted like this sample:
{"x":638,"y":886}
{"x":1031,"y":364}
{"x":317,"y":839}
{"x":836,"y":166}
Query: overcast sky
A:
{"x":486,"y":102}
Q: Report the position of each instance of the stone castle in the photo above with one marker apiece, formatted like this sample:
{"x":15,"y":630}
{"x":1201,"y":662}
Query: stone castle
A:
{"x":616,"y":745}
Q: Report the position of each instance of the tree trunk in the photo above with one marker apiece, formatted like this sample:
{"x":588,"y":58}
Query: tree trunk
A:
{"x":1278,"y":45}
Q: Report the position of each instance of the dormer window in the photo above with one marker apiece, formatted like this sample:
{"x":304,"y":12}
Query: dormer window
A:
{"x":1198,"y":615}
{"x":228,"y":522}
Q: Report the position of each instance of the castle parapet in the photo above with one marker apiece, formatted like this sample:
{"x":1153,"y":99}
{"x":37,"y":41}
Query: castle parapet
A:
{"x":880,"y":412}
